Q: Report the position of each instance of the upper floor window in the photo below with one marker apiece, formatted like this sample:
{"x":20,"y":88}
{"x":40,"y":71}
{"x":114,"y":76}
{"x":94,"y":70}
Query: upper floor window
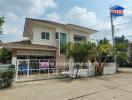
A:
{"x":78,"y":38}
{"x":57,"y":35}
{"x":45,"y":35}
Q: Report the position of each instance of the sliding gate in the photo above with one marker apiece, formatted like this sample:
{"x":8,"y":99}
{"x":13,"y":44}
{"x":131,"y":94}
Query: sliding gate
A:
{"x":36,"y":69}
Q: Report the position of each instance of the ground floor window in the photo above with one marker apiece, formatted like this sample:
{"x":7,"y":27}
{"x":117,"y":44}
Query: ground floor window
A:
{"x":34,"y":66}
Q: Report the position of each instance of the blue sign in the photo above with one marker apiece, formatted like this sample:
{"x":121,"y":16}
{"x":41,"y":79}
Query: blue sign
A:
{"x":117,"y":11}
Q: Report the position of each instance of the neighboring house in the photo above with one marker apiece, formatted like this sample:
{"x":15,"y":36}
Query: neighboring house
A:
{"x":130,"y":50}
{"x":47,"y":40}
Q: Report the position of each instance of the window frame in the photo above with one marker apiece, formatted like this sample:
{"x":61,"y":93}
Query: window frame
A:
{"x":57,"y":35}
{"x":63,"y":49}
{"x":45,"y":35}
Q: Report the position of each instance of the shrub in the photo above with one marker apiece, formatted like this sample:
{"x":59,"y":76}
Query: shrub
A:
{"x":6,"y":79}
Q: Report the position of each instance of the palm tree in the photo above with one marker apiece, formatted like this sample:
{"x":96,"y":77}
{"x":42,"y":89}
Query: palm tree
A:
{"x":102,"y":50}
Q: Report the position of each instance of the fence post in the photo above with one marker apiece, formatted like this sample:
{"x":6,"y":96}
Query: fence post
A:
{"x":28,"y":67}
{"x":48,"y":68}
{"x":16,"y":68}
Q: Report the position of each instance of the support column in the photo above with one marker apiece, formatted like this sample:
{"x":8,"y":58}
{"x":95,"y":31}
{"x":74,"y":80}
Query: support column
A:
{"x":14,"y":56}
{"x":14,"y":62}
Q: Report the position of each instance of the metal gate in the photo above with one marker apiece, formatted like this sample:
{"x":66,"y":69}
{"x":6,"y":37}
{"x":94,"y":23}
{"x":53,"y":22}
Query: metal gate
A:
{"x":36,"y":69}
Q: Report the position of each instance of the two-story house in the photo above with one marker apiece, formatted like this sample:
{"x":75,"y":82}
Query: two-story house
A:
{"x":47,"y":40}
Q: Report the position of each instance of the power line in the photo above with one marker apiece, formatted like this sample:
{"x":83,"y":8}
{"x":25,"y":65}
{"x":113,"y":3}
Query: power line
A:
{"x":123,"y":24}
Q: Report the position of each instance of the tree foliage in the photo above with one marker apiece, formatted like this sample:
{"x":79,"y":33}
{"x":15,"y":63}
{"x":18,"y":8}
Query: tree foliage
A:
{"x":80,"y":51}
{"x":121,"y":45}
{"x":103,"y":48}
{"x":1,"y":23}
{"x":123,"y":56}
{"x":4,"y":54}
{"x":84,"y":51}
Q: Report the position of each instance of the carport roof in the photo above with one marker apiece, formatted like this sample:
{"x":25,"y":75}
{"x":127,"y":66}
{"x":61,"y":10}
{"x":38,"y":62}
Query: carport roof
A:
{"x":27,"y":45}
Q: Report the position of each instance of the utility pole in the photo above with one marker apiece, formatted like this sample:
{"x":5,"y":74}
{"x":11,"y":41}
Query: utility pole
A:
{"x":115,"y":12}
{"x":112,"y":28}
{"x":113,"y":36}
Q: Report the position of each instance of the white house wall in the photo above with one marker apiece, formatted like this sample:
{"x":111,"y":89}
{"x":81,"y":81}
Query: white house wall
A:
{"x":52,"y":41}
{"x":37,"y":36}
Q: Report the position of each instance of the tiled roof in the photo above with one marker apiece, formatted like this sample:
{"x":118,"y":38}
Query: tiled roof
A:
{"x":27,"y":45}
{"x":58,"y":24}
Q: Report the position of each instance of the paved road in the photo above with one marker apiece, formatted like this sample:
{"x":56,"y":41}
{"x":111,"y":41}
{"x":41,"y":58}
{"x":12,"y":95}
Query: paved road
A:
{"x":126,"y":70}
{"x":111,"y":87}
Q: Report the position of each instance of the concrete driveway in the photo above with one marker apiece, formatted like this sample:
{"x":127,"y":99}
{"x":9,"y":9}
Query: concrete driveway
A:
{"x":111,"y":87}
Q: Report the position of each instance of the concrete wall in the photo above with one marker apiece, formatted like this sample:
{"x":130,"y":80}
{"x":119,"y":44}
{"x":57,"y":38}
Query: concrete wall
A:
{"x":108,"y":70}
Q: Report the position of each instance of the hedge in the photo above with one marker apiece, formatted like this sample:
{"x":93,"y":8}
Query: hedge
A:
{"x":6,"y":79}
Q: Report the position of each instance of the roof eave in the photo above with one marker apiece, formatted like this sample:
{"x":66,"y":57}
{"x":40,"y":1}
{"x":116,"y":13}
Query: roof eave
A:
{"x":27,"y":48}
{"x":89,"y":30}
{"x":56,"y":24}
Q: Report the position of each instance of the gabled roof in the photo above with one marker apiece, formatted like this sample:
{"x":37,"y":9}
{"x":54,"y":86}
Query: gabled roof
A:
{"x":117,"y":7}
{"x":29,"y":22}
{"x":56,"y":23}
{"x":27,"y":45}
{"x":46,"y":21}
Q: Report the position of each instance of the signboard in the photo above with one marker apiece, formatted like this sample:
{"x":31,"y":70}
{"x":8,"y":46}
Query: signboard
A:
{"x":44,"y":64}
{"x":117,"y":11}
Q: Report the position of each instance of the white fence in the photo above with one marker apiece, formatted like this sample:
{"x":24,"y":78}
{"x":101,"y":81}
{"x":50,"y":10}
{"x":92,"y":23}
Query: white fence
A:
{"x":35,"y":69}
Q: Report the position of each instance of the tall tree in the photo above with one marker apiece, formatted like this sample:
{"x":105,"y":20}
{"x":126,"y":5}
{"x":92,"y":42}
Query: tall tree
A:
{"x":102,"y":50}
{"x":1,"y":23}
{"x":121,"y":45}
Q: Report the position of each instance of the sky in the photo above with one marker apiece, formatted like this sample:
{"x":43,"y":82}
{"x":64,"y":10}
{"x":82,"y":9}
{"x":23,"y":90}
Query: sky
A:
{"x":88,"y":13}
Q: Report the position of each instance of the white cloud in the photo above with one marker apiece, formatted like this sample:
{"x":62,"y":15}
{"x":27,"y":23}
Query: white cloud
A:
{"x":39,"y":7}
{"x":54,"y":16}
{"x":12,"y":23}
{"x":82,"y":16}
{"x":26,"y":7}
{"x":15,"y":12}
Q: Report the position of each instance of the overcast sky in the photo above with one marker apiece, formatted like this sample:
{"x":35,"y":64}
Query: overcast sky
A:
{"x":88,"y":13}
